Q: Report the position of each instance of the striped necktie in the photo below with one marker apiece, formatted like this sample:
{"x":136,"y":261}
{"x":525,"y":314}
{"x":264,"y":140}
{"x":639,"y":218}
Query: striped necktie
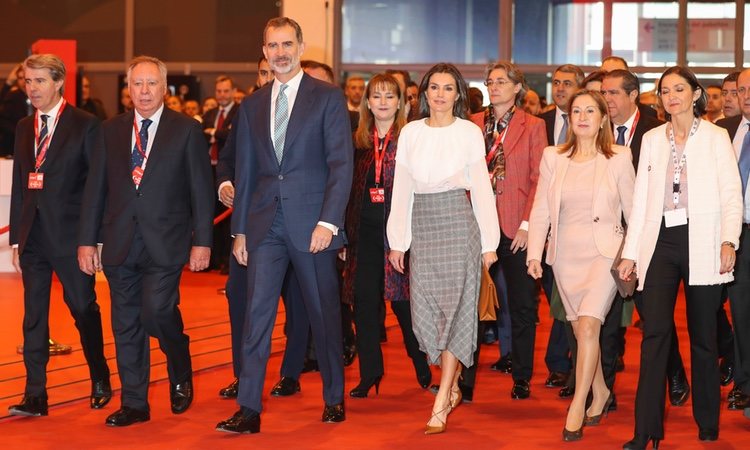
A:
{"x":280,"y":122}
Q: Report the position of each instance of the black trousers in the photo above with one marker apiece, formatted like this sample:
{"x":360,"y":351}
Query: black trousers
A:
{"x":145,"y":302}
{"x":522,"y":300}
{"x":79,"y":296}
{"x":369,"y":282}
{"x":236,"y":292}
{"x":739,"y":298}
{"x":669,"y":266}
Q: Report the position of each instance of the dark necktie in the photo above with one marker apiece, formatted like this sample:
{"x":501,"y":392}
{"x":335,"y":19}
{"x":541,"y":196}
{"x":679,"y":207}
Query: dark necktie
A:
{"x":621,"y":135}
{"x":43,"y":132}
{"x":745,"y":160}
{"x":280,"y":120}
{"x":136,"y":158}
{"x":563,"y":136}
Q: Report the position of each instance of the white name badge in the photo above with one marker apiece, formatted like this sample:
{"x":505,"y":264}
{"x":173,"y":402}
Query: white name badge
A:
{"x":675,"y":217}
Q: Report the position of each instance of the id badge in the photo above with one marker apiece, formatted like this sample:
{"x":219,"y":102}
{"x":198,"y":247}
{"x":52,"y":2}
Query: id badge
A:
{"x":36,"y":180}
{"x":675,"y":218}
{"x":377,"y":195}
{"x":137,"y":175}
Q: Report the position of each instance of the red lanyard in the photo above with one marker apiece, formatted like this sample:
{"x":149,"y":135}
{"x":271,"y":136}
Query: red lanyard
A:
{"x":632,"y":127}
{"x":41,"y":152}
{"x":138,"y":144}
{"x":498,"y":140}
{"x":379,"y":155}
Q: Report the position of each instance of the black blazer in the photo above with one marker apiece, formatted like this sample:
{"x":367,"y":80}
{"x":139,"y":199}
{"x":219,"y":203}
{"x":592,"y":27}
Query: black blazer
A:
{"x":644,"y":124}
{"x":74,"y":142}
{"x":731,"y":124}
{"x":172,"y":208}
{"x":549,"y":121}
{"x":221,"y":134}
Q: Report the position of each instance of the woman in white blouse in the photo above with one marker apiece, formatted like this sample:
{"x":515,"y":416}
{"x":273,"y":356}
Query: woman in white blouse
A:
{"x":440,"y":158}
{"x":684,"y":227}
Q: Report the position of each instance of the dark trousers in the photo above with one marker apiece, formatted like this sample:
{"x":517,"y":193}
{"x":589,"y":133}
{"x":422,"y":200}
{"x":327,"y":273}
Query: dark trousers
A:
{"x":504,"y":331}
{"x":318,"y":280}
{"x":739,"y":298}
{"x":669,"y":266}
{"x":80,"y":298}
{"x":557,"y":358}
{"x":236,"y":292}
{"x":368,"y":299}
{"x":522,"y":300}
{"x":297,"y":327}
{"x":402,"y":311}
{"x":469,"y":374}
{"x":145,"y":302}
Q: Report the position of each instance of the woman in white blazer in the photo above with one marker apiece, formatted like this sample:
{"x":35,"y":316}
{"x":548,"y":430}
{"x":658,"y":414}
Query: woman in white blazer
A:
{"x":685,"y":226}
{"x":584,"y":188}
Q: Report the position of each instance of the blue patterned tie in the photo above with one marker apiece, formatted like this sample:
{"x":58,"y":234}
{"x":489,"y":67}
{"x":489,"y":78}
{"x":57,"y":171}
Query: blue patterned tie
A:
{"x":136,"y":158}
{"x":563,"y":136}
{"x":280,"y":122}
{"x":43,"y":132}
{"x":621,"y":135}
{"x":745,"y":160}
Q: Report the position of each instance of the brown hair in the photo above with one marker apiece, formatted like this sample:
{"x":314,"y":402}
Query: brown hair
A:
{"x":461,"y":106}
{"x":604,"y":137}
{"x":48,"y":61}
{"x":363,"y":134}
{"x":514,"y":75}
{"x":279,"y":22}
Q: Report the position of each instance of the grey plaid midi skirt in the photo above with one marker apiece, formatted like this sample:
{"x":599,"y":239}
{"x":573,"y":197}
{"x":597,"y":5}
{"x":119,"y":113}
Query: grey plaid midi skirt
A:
{"x":445,"y":265}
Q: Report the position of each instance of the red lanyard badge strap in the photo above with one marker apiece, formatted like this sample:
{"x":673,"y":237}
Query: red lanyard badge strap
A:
{"x":379,"y":152}
{"x":41,"y":147}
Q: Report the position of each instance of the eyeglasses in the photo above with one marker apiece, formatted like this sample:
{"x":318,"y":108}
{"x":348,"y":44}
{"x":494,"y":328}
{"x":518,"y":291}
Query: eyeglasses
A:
{"x":498,"y":82}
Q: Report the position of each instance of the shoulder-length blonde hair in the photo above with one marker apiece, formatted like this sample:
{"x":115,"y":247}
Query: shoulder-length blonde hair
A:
{"x":363,"y":134}
{"x":604,"y":135}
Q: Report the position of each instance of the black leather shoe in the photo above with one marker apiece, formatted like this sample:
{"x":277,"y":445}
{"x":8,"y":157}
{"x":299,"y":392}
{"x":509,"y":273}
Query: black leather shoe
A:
{"x":334,"y":413}
{"x":245,"y":421}
{"x":285,"y":387}
{"x":733,"y":393}
{"x":363,"y":388}
{"x":350,"y":352}
{"x":231,"y":390}
{"x":570,"y":436}
{"x":679,"y":389}
{"x":556,"y":380}
{"x":504,"y":364}
{"x":310,"y":365}
{"x":127,"y":416}
{"x":705,"y":434}
{"x":467,"y":393}
{"x":181,"y":396}
{"x":29,"y":407}
{"x":726,"y":370}
{"x":739,"y":402}
{"x":566,"y":392}
{"x":424,"y":374}
{"x":101,"y":394}
{"x":639,"y":442}
{"x":521,"y":390}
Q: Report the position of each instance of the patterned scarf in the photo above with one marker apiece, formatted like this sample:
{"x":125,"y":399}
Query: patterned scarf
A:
{"x":492,"y":129}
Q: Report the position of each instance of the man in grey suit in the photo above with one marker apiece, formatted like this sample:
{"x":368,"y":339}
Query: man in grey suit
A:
{"x":293,"y":176}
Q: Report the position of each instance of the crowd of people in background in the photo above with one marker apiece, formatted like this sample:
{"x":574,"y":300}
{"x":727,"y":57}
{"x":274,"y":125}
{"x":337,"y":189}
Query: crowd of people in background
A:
{"x":603,"y":176}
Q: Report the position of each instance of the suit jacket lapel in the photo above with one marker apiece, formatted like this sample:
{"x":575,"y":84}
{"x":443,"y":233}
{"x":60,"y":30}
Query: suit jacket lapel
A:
{"x":263,"y":119}
{"x":599,"y":171}
{"x":515,"y":130}
{"x":561,"y":167}
{"x":161,"y":141}
{"x":125,"y":140}
{"x":300,"y":112}
{"x":62,"y":130}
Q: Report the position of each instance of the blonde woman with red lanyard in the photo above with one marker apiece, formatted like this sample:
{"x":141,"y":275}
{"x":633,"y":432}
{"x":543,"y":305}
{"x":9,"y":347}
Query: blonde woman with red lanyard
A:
{"x":368,"y":278}
{"x":684,"y":227}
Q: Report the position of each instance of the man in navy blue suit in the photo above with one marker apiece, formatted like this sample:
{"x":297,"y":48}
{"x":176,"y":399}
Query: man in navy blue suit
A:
{"x":293,"y":176}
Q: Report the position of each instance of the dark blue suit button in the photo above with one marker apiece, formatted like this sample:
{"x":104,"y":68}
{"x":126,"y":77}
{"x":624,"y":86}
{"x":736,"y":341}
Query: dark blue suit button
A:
{"x":281,"y":177}
{"x":139,"y":194}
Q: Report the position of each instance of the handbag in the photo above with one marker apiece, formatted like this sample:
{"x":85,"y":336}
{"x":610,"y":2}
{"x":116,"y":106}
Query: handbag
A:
{"x":488,"y":303}
{"x":626,"y":288}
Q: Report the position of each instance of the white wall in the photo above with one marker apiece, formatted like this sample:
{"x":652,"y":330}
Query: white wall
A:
{"x":316,"y":19}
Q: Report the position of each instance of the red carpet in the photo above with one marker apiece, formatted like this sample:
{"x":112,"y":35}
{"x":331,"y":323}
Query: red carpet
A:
{"x":392,"y":420}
